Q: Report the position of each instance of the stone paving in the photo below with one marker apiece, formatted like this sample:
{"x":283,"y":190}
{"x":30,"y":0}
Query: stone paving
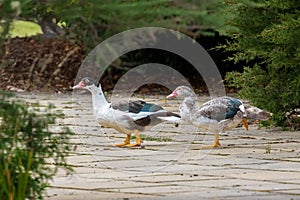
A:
{"x":258,"y":164}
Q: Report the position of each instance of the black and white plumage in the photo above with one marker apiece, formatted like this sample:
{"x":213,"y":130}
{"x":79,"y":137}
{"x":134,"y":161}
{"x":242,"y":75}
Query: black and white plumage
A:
{"x":125,"y":116}
{"x":217,"y":115}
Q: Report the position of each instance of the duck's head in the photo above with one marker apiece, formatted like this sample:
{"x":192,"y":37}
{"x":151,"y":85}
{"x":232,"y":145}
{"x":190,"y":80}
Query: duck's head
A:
{"x":86,"y":83}
{"x":182,"y":92}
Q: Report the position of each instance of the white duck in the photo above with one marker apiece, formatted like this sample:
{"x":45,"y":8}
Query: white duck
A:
{"x":125,"y":117}
{"x":217,"y":115}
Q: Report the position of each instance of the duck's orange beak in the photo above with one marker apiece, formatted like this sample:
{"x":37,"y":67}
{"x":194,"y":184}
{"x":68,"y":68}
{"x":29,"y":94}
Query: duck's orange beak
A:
{"x":245,"y":123}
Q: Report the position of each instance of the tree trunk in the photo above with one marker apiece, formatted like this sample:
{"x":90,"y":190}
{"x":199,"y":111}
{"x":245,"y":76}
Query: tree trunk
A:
{"x":49,"y":28}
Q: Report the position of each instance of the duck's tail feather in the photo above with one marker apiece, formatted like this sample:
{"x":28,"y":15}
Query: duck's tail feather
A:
{"x":156,"y":118}
{"x":169,"y":116}
{"x":170,"y":119}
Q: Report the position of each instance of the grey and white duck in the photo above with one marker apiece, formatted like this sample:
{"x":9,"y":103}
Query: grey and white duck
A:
{"x":217,"y":115}
{"x":125,"y":116}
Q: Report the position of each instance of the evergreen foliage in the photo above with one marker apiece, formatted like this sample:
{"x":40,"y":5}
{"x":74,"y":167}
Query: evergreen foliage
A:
{"x":30,"y":152}
{"x":266,"y":34}
{"x":9,"y":10}
{"x":92,"y":21}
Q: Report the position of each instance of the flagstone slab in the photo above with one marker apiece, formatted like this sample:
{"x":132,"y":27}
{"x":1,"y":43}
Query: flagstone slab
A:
{"x":256,"y":164}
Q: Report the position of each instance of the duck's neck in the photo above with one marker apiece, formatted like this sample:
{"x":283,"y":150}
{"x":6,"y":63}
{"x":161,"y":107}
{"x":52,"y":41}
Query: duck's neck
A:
{"x":98,"y":99}
{"x":188,"y":107}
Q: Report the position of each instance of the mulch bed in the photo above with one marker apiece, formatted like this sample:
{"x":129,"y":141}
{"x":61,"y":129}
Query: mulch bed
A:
{"x":51,"y":65}
{"x":36,"y":64}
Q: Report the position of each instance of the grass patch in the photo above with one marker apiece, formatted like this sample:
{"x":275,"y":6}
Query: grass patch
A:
{"x":150,"y":138}
{"x":68,"y":102}
{"x":268,"y":149}
{"x":38,"y":105}
{"x":68,"y":107}
{"x":20,"y":28}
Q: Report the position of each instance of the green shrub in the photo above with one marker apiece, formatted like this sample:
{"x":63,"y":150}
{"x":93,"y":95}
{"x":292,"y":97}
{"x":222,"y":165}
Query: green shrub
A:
{"x":92,"y":21}
{"x":8,"y":11}
{"x":30,"y":152}
{"x":266,"y":34}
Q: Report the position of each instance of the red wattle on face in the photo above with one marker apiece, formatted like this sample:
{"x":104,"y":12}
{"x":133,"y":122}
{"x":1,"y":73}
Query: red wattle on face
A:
{"x":173,"y":94}
{"x":79,"y":85}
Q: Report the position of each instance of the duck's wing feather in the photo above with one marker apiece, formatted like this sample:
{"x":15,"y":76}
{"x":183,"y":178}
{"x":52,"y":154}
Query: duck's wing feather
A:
{"x":136,"y":106}
{"x":220,"y":108}
{"x":150,"y":107}
{"x":224,"y":100}
{"x":214,"y":112}
{"x":129,"y":106}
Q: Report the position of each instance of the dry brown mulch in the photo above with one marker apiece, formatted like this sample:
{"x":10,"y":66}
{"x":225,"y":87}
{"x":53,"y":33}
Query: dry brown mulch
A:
{"x":38,"y":64}
{"x":51,"y":65}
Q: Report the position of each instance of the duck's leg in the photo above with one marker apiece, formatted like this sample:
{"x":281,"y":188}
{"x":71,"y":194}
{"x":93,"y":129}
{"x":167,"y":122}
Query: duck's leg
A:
{"x":138,"y":140}
{"x":215,"y":144}
{"x":126,"y":141}
{"x":245,"y":123}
